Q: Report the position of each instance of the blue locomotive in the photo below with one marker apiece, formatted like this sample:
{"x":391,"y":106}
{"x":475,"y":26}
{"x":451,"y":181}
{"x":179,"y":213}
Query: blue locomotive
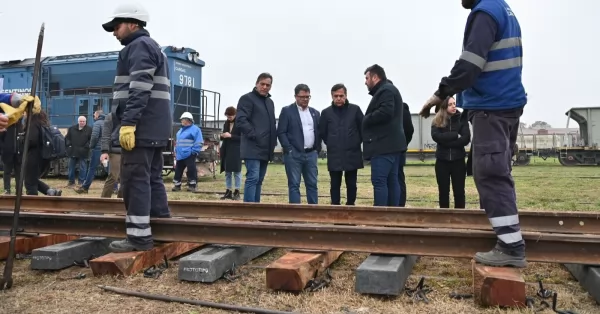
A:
{"x":79,"y":84}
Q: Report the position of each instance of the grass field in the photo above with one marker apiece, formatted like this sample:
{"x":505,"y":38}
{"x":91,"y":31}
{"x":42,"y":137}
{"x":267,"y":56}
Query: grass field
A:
{"x":542,"y":185}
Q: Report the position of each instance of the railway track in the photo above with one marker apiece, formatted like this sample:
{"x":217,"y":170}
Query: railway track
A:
{"x":570,"y":238}
{"x":565,"y":222}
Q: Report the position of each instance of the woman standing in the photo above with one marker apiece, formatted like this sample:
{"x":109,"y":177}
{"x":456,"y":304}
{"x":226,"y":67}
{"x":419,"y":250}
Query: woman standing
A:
{"x":231,"y":161}
{"x":451,"y":136}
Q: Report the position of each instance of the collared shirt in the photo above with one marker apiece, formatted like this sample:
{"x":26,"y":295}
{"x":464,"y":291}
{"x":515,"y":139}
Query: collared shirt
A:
{"x":308,"y":127}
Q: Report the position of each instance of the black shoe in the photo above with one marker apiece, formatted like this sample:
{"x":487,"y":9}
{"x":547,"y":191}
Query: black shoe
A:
{"x":191,"y":188}
{"x":228,"y":195}
{"x":236,"y":195}
{"x":176,"y":188}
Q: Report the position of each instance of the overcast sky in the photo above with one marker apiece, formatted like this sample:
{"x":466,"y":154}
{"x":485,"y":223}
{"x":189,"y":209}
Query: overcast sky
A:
{"x":321,"y":43}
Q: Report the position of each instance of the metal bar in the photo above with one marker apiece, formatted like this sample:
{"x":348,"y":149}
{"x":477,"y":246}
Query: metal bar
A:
{"x":535,"y":221}
{"x":552,"y":248}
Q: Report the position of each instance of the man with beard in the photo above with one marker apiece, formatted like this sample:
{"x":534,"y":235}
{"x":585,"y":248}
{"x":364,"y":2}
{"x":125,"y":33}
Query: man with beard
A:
{"x":487,"y":81}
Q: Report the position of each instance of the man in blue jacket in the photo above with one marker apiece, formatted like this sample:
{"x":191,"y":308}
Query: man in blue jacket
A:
{"x":188,"y":146}
{"x":142,"y":124}
{"x":487,"y":79}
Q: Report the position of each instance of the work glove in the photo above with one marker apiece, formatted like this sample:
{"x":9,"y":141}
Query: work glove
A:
{"x":127,"y":137}
{"x":433,"y":101}
{"x":15,"y":114}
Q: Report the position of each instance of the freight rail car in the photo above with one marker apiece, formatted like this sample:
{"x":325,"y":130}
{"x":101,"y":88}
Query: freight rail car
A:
{"x":571,"y":149}
{"x":79,"y":84}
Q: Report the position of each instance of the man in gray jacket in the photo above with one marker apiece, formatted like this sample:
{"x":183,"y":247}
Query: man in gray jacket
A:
{"x":111,"y":155}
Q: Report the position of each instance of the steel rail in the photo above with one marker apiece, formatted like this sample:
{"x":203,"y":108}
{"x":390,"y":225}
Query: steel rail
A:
{"x":535,"y":221}
{"x":552,"y":248}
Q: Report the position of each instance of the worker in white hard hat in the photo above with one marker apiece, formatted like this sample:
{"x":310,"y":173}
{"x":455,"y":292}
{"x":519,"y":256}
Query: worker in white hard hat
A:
{"x":188,"y":145}
{"x":142,"y":124}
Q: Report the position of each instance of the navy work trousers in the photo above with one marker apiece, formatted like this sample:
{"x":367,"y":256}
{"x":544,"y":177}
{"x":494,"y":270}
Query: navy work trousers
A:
{"x":192,"y":172}
{"x":494,"y":136}
{"x":300,"y":165}
{"x":144,"y":192}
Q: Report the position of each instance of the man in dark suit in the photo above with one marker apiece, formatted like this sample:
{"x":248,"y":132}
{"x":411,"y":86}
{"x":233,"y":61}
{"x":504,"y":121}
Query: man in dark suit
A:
{"x":255,"y":117}
{"x":299,"y":137}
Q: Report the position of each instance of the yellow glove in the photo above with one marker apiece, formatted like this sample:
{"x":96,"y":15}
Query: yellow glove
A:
{"x":127,"y":137}
{"x":37,"y":104}
{"x":13,"y":114}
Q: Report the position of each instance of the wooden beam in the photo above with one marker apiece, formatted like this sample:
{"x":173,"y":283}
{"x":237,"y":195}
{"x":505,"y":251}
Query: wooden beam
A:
{"x":126,"y":264}
{"x":498,"y":286}
{"x":294,"y":270}
{"x":26,"y":244}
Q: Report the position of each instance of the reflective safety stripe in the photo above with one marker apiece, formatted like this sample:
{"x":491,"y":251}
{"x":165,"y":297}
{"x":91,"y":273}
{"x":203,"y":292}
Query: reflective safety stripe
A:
{"x":161,"y":95}
{"x":503,"y":64}
{"x":123,"y":94}
{"x":135,"y":232}
{"x":192,"y":182}
{"x":511,"y":237}
{"x":149,"y":71}
{"x":141,"y":85}
{"x":507,"y":43}
{"x":137,"y":219}
{"x":495,"y":65}
{"x":504,"y":221}
{"x":157,"y":80}
{"x":473,"y":58}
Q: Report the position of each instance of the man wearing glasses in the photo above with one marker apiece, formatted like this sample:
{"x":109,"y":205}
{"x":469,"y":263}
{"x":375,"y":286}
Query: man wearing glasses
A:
{"x":299,"y":137}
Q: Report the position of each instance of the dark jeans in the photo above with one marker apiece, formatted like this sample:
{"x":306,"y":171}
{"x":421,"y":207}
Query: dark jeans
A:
{"x":402,"y":180}
{"x":255,"y":174}
{"x":82,"y":164}
{"x":457,"y":172}
{"x":384,"y":177}
{"x":192,"y":172}
{"x":91,"y":171}
{"x":494,"y":136}
{"x":336,"y":184}
{"x":302,"y":164}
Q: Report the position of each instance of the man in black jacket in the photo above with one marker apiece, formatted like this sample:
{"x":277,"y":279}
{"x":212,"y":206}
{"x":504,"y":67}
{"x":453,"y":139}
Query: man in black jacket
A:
{"x":256,"y":120}
{"x":340,"y":127}
{"x":77,"y":142}
{"x":409,"y":130}
{"x":384,"y":142}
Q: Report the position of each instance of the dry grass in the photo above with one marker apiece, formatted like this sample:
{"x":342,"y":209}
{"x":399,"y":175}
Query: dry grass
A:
{"x":543,"y":185}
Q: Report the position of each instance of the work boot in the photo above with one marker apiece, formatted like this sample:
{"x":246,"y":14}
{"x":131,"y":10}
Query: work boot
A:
{"x":228,"y":195}
{"x":70,"y":185}
{"x":54,"y":192}
{"x":6,"y":192}
{"x":123,"y":246}
{"x":236,"y":195}
{"x":81,"y":190}
{"x":191,"y":188}
{"x":499,"y":258}
{"x":176,"y":188}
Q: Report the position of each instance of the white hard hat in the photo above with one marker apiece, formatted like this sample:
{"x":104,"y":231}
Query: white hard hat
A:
{"x":127,"y":11}
{"x":187,"y":115}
